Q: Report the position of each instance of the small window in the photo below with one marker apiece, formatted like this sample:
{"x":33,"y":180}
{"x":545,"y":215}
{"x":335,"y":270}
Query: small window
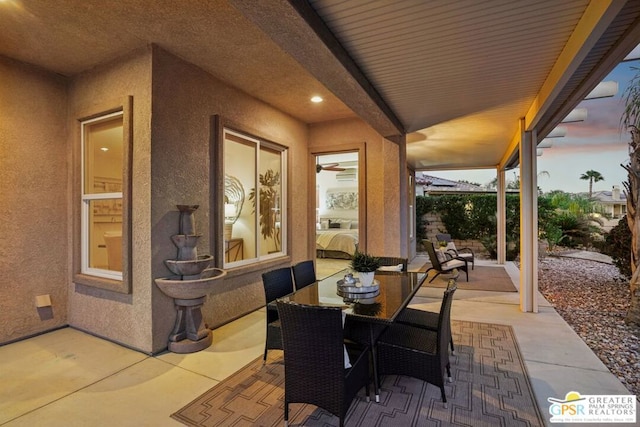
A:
{"x":101,"y":196}
{"x":254,"y":199}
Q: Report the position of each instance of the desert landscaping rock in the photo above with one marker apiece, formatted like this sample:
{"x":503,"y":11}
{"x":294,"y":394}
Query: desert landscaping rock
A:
{"x":593,"y":298}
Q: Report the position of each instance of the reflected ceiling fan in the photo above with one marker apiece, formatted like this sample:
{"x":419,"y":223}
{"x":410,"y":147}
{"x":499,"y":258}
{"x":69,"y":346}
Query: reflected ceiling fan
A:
{"x":335,"y":167}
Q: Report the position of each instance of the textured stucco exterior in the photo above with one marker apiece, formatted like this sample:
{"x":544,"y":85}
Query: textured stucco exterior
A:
{"x":123,"y":318}
{"x":172,"y":162}
{"x":184,"y":100}
{"x":33,"y":201}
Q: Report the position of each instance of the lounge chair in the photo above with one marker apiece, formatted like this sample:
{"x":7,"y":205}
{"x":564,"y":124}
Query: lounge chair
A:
{"x":466,"y":253}
{"x":442,"y":263}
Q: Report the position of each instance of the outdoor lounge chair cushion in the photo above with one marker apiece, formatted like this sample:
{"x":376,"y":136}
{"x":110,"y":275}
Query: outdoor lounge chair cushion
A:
{"x":453,"y":263}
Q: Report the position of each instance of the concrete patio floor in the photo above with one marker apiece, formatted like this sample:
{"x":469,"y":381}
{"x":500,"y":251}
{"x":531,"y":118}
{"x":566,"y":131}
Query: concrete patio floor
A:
{"x":70,"y":378}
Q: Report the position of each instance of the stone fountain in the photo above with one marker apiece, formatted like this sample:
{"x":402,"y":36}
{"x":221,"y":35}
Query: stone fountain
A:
{"x":189,"y":287}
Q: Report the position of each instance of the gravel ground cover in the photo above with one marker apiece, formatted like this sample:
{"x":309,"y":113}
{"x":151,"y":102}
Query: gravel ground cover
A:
{"x":593,"y":298}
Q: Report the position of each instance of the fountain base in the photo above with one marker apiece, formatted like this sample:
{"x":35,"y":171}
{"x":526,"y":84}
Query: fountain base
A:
{"x":190,"y":333}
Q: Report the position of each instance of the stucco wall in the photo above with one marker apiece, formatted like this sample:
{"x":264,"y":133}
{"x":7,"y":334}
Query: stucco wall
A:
{"x":33,"y":203}
{"x":123,"y":318}
{"x":383,"y":171}
{"x":173,"y":102}
{"x":184,"y":100}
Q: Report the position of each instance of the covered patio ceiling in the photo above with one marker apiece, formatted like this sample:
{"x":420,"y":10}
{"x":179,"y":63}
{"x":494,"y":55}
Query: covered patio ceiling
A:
{"x":455,"y":76}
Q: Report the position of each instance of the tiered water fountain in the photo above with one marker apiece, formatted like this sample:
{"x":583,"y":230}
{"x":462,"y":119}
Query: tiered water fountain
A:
{"x":189,"y":287}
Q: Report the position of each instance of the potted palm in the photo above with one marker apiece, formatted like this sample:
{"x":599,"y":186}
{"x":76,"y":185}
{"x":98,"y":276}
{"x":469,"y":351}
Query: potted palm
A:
{"x":365,"y":265}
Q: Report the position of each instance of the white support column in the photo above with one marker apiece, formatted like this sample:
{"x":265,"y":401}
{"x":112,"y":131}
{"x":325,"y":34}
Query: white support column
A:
{"x":528,"y":221}
{"x":501,"y":216}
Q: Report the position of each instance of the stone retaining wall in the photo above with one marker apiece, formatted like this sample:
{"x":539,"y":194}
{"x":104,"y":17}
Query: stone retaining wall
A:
{"x":435,"y":226}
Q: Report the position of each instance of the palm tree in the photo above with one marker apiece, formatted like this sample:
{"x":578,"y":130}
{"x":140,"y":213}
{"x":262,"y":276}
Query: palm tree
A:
{"x":592,"y":176}
{"x":631,"y":120}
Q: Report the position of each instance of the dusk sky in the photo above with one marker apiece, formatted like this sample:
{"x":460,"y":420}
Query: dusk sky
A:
{"x":595,"y":144}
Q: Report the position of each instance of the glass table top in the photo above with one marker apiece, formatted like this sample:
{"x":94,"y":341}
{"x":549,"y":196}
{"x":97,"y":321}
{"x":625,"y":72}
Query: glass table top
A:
{"x":380,"y":303}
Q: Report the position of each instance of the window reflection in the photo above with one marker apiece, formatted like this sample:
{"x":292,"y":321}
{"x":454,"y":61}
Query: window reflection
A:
{"x":253,"y":228}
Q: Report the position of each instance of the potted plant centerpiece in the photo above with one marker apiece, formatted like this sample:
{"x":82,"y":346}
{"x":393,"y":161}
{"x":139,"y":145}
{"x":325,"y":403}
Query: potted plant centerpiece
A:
{"x":365,"y":265}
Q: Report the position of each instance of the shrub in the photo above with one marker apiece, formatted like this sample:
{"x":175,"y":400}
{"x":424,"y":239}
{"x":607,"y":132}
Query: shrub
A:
{"x":618,"y":246}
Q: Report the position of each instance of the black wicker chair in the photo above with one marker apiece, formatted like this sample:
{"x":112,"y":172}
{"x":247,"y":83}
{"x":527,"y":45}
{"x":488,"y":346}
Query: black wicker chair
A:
{"x":314,"y":359}
{"x":466,"y":253}
{"x":389,"y":261}
{"x":418,"y":352}
{"x":304,"y":274}
{"x":277,"y":283}
{"x":424,"y":319}
{"x":444,"y":266}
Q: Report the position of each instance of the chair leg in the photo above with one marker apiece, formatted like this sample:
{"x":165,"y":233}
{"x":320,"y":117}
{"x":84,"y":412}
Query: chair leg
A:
{"x":467,"y":271}
{"x":264,"y":358}
{"x":449,"y":373}
{"x":453,"y":351}
{"x":444,"y":397}
{"x":286,"y":413}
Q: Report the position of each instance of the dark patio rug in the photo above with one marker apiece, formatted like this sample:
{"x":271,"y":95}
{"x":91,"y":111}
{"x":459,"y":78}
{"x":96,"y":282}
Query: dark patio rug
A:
{"x":481,"y":278}
{"x":490,"y":388}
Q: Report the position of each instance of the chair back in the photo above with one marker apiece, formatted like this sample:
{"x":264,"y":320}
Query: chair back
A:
{"x":444,"y":319}
{"x":277,"y":283}
{"x":443,"y":237}
{"x":304,"y":274}
{"x":393,"y":261}
{"x":312,"y":339}
{"x":433,"y":257}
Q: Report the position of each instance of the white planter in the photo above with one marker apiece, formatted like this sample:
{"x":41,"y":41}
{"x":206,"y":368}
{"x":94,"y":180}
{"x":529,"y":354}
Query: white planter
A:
{"x":366,"y":279}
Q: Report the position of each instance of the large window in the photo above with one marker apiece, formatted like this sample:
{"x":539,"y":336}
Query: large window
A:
{"x":101,"y":196}
{"x":254,"y":199}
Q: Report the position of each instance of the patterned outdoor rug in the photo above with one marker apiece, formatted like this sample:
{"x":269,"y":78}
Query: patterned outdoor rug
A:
{"x":481,"y":278}
{"x":490,"y":388}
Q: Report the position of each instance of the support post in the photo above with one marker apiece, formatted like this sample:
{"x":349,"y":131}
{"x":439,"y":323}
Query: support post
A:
{"x":501,"y":216}
{"x":528,"y":221}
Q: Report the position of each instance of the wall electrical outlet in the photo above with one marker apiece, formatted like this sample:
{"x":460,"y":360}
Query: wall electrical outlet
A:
{"x":43,"y":301}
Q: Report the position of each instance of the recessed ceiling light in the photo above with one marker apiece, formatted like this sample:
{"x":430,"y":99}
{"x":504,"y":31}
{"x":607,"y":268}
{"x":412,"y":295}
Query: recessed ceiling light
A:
{"x":317,"y":99}
{"x":105,"y":149}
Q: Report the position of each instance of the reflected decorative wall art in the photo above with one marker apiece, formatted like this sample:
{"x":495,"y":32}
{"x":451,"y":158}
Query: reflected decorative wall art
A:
{"x":342,"y":199}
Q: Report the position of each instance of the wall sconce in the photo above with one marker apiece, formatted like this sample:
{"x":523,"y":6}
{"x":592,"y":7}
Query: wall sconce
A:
{"x":233,"y":201}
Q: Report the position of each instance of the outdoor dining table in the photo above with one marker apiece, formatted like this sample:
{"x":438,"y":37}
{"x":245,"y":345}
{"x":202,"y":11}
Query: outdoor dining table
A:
{"x":380,"y":307}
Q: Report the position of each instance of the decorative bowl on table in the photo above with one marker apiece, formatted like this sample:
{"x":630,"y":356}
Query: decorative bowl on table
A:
{"x":350,"y":292}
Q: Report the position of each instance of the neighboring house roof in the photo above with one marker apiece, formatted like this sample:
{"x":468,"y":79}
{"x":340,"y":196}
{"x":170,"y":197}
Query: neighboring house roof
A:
{"x":434,"y":184}
{"x":609,"y":198}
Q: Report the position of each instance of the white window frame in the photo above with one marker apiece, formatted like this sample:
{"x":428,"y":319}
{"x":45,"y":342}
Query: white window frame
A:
{"x":86,"y":200}
{"x":283,"y":198}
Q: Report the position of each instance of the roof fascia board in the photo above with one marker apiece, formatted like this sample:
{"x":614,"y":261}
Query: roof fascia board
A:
{"x":608,"y":62}
{"x":300,"y":32}
{"x":595,"y":21}
{"x":510,"y":158}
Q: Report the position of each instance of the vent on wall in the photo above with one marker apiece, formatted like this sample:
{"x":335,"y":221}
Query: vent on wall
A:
{"x":348,"y":174}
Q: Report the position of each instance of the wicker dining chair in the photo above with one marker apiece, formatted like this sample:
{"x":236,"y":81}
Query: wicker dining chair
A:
{"x":304,"y":274}
{"x":424,"y":319}
{"x":417,"y":352}
{"x":277,"y":283}
{"x":316,"y":368}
